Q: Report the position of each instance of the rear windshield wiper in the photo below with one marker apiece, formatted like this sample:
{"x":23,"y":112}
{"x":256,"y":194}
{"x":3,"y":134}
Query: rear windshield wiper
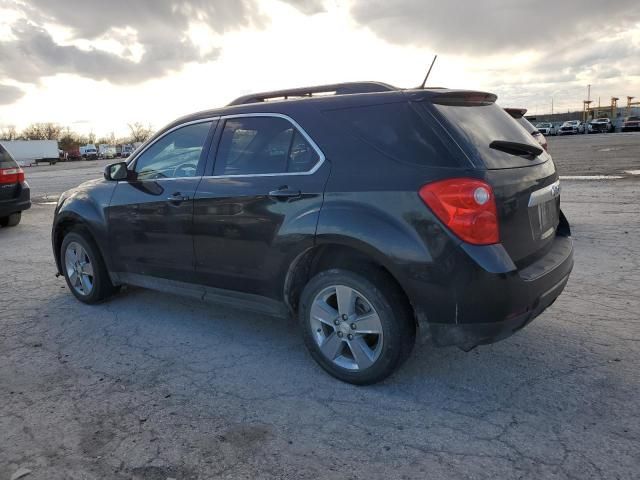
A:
{"x":515,"y":148}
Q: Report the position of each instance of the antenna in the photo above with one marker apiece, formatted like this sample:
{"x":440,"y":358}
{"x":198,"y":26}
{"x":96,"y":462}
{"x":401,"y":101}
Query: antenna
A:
{"x":424,"y":82}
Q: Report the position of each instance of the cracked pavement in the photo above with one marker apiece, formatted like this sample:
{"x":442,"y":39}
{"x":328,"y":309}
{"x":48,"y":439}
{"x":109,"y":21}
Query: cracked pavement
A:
{"x":154,"y":386}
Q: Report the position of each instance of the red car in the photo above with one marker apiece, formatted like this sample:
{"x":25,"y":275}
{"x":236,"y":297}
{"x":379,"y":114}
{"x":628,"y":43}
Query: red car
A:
{"x":631,"y":124}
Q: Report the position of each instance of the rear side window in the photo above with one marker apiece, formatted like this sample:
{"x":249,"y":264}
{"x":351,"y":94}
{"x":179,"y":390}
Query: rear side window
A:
{"x":478,"y":126}
{"x":6,"y":161}
{"x":399,"y":131}
{"x":263,"y":145}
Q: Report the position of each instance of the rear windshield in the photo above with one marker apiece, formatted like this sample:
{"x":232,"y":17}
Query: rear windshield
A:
{"x":400,"y":131}
{"x":478,"y":126}
{"x":6,"y":161}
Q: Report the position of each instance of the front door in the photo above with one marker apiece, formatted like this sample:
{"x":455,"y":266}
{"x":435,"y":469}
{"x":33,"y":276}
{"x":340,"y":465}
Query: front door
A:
{"x":151,"y":215}
{"x":260,"y":207}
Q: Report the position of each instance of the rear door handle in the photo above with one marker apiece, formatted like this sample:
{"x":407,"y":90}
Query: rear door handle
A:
{"x":285,"y":193}
{"x":177,"y":198}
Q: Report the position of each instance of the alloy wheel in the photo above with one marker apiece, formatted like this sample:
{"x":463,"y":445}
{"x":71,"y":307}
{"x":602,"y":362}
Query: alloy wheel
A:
{"x":346,"y":327}
{"x":79,"y":268}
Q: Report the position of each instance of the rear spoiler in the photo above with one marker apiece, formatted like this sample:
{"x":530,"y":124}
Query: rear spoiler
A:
{"x":516,"y":112}
{"x":464,"y":99}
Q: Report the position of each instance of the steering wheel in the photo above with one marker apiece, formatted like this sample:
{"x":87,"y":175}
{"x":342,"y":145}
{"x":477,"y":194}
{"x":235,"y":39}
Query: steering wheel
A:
{"x":185,"y":170}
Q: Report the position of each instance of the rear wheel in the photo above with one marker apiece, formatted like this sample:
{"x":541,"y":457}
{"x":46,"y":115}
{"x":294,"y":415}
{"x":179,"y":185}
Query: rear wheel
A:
{"x":12,"y":220}
{"x":358,"y":329}
{"x":84,"y":270}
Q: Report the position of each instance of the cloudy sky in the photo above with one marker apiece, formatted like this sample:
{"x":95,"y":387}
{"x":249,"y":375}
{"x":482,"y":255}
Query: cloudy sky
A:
{"x":96,"y":65}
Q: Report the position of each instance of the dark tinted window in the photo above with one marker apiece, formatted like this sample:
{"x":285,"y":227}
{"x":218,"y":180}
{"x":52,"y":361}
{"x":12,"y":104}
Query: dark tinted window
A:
{"x":175,"y":155}
{"x":478,"y":126}
{"x":399,"y":131}
{"x":6,"y":161}
{"x":258,"y":145}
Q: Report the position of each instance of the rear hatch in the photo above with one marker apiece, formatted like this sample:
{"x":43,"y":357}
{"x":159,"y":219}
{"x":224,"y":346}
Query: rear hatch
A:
{"x":522,"y":174}
{"x":9,"y":183}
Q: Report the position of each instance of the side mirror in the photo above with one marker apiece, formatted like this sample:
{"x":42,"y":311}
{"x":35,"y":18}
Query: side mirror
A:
{"x":116,"y":171}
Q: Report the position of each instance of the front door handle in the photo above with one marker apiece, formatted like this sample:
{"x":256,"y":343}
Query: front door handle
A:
{"x":177,"y":198}
{"x":285,"y":193}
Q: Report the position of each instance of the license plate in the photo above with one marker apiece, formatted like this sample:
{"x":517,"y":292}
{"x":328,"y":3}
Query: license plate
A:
{"x":544,"y":206}
{"x":547,"y":218}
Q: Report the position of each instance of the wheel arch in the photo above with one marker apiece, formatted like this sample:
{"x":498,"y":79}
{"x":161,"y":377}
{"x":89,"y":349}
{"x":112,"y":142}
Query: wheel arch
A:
{"x":357,"y":256}
{"x":66,"y":223}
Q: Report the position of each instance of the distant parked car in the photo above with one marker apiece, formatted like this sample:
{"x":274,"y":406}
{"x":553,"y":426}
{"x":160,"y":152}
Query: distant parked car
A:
{"x":89,"y":152}
{"x":547,"y":128}
{"x":73,"y":153}
{"x":126,"y":150}
{"x":631,"y":124}
{"x":571,"y":127}
{"x":601,"y":125}
{"x":518,"y":115}
{"x":15,"y":196}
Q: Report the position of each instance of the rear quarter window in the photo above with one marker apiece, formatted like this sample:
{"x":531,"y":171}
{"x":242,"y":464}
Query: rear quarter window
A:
{"x":6,"y":160}
{"x":400,"y":131}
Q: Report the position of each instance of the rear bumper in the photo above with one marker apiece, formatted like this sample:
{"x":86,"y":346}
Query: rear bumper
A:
{"x":482,"y":296}
{"x":469,"y":335}
{"x":493,"y":306}
{"x":20,"y":203}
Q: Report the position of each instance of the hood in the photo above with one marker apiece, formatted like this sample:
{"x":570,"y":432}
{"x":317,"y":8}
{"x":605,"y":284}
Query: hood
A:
{"x":84,"y":188}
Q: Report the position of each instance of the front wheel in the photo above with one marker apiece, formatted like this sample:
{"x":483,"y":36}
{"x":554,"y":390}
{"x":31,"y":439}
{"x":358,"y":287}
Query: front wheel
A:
{"x":84,"y":270}
{"x":358,"y":329}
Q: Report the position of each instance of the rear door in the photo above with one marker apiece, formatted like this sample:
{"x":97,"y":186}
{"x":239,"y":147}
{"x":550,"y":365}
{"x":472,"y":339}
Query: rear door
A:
{"x":258,"y":207}
{"x":151,"y":214}
{"x":524,"y":179}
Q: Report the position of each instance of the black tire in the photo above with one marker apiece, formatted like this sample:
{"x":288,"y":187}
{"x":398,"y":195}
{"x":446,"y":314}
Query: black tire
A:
{"x":12,"y":220}
{"x":102,"y":286}
{"x":395,"y":315}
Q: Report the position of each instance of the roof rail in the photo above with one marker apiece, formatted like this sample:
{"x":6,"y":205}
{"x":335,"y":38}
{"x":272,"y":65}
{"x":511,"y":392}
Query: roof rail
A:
{"x":335,"y":89}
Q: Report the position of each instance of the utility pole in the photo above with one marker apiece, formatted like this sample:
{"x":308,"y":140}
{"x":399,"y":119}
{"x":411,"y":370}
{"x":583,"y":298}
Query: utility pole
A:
{"x":551,"y":105}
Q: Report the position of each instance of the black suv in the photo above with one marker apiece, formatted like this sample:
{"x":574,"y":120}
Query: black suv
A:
{"x":15,"y":195}
{"x":372,"y":213}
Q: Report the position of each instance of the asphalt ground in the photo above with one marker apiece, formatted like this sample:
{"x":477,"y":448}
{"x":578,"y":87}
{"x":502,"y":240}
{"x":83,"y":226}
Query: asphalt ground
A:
{"x":152,"y":386}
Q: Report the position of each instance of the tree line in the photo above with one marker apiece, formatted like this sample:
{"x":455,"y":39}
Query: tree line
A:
{"x":68,"y":139}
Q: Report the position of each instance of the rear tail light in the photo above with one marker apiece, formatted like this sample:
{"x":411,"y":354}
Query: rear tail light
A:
{"x":467,"y":206}
{"x":11,"y":175}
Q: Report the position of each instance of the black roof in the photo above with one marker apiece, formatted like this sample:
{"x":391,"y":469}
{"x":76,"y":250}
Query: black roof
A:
{"x":309,"y":92}
{"x":338,"y":95}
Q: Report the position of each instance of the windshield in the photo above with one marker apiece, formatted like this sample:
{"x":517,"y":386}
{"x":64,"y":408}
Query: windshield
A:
{"x":544,"y":125}
{"x":633,"y":119}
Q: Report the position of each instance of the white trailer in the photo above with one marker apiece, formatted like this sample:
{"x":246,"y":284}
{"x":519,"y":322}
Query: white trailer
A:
{"x":29,"y":152}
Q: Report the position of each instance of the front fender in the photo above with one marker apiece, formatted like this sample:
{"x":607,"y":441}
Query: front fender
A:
{"x":86,"y":207}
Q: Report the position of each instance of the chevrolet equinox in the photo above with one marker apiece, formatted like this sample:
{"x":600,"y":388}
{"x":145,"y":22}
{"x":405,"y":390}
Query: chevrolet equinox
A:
{"x":375,"y":215}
